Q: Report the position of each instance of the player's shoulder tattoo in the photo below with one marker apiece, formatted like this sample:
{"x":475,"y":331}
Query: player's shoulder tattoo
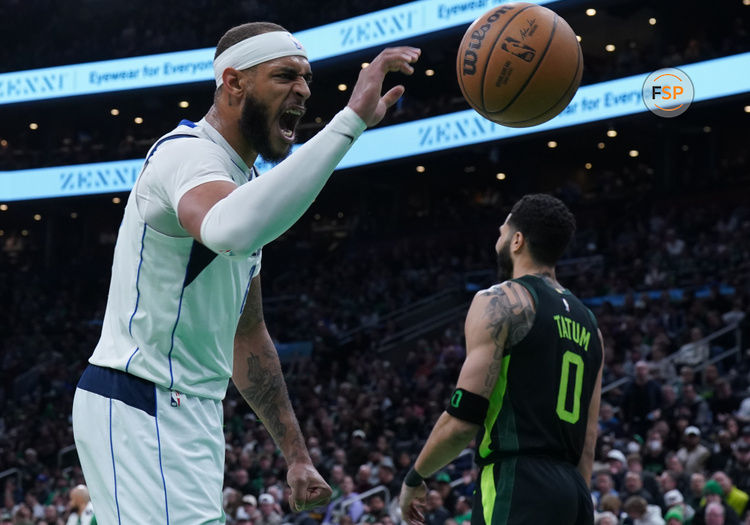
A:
{"x":509,"y":313}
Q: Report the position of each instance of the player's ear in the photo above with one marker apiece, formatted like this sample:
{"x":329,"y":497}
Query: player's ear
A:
{"x":233,"y":82}
{"x":517,"y":241}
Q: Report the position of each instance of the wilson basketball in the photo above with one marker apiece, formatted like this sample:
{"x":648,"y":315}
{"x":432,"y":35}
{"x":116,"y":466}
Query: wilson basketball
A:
{"x":519,"y":64}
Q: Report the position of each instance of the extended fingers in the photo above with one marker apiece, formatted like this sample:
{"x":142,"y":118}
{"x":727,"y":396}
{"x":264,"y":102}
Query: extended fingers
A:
{"x":399,"y":58}
{"x":392,"y":96}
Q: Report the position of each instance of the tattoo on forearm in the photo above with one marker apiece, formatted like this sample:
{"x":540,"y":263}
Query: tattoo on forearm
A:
{"x":265,"y":394}
{"x":510,"y":314}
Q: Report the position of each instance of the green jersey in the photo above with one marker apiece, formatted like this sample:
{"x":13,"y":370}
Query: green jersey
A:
{"x":539,"y":405}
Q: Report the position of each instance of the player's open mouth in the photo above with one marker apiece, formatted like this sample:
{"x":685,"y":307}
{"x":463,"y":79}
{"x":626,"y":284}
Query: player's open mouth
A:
{"x":288,"y":122}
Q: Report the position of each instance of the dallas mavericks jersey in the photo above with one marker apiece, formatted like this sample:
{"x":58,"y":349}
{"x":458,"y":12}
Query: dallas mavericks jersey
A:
{"x":173,"y":304}
{"x":539,"y":405}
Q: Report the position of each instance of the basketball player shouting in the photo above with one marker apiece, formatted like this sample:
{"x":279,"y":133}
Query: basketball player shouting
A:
{"x":184,"y":308}
{"x":531,"y":383}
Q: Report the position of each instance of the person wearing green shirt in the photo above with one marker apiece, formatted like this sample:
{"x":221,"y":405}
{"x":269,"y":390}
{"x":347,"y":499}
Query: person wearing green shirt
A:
{"x":735,"y":498}
{"x":463,"y":510}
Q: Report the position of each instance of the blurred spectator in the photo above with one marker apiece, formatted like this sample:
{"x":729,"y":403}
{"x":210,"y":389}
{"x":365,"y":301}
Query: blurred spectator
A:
{"x":724,"y":403}
{"x":721,"y":452}
{"x":713,"y":494}
{"x":232,"y":500}
{"x":648,"y":479}
{"x":463,"y":510}
{"x":52,"y":516}
{"x":376,"y":510}
{"x":693,"y":455}
{"x":697,"y":486}
{"x":673,"y":244}
{"x":739,"y":466}
{"x":617,"y":462}
{"x":335,"y":479}
{"x":358,"y":452}
{"x":611,"y":503}
{"x":669,"y":402}
{"x":699,"y":411}
{"x":608,"y":422}
{"x":443,"y":486}
{"x":242,"y":517}
{"x":642,"y":401}
{"x":387,"y":476}
{"x":715,"y":514}
{"x":363,"y":481}
{"x":655,"y":454}
{"x":250,"y":507}
{"x":641,"y":513}
{"x":603,"y":485}
{"x":673,"y":500}
{"x":674,"y":516}
{"x":736,"y":498}
{"x":270,"y":514}
{"x":435,"y":513}
{"x":355,"y":508}
{"x":81,"y":510}
{"x":606,"y":518}
{"x":634,"y":487}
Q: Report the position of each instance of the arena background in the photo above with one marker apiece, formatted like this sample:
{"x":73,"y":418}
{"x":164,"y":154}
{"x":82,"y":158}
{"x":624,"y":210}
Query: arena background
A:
{"x":366,"y":294}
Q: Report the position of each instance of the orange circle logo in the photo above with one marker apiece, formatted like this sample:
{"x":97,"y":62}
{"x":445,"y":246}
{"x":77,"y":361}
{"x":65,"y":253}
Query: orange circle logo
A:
{"x":668,"y":92}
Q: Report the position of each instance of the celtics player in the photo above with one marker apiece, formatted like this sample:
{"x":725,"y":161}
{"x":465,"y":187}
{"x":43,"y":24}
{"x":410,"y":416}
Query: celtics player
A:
{"x":530,"y":386}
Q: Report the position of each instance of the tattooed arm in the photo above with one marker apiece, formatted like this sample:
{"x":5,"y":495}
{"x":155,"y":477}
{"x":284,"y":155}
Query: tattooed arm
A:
{"x":498,"y":318}
{"x":257,"y":375}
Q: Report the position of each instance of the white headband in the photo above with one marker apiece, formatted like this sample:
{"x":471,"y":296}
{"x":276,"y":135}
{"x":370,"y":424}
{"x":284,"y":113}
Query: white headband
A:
{"x":256,"y":50}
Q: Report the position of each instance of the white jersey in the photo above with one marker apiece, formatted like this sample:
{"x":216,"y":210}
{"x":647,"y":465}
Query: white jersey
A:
{"x":85,"y":518}
{"x":173,"y":304}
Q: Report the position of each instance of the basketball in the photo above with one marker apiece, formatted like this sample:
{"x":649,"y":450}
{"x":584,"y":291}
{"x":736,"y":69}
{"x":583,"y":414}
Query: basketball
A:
{"x":519,"y":64}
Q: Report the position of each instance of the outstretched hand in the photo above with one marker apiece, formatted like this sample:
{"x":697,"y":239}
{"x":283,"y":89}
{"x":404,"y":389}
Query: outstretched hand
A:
{"x":412,"y":502}
{"x":366,"y":99}
{"x":309,"y":489}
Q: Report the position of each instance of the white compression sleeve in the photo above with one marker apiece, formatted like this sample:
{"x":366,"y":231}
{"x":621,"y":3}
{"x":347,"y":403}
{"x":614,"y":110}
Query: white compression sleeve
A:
{"x":262,"y":209}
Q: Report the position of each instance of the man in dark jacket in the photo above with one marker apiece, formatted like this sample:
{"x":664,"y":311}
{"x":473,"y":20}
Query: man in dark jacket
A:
{"x":641,"y":401}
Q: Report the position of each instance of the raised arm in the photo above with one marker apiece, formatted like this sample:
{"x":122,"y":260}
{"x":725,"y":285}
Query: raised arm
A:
{"x":257,"y":375}
{"x":234,"y":220}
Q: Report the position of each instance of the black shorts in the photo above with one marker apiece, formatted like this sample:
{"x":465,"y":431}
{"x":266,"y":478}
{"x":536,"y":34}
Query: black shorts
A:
{"x":526,"y":490}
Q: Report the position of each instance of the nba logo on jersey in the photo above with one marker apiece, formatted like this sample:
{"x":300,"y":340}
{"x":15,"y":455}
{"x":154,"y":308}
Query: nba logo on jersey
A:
{"x":567,"y":306}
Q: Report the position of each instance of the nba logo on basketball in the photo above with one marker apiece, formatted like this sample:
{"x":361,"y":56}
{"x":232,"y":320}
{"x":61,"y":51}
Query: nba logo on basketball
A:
{"x":520,"y":65}
{"x":515,"y":47}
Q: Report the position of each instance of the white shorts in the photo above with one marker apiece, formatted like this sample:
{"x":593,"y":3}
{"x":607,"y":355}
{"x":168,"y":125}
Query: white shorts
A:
{"x":149,"y":455}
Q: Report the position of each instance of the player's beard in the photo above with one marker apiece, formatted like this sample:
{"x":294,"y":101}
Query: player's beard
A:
{"x":504,"y":262}
{"x":257,"y":132}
